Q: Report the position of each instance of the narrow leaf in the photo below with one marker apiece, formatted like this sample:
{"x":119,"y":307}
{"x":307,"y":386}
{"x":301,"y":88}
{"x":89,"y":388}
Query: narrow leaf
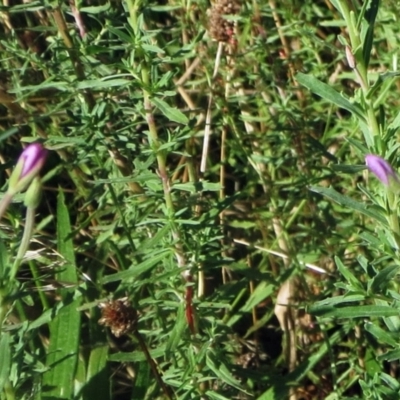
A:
{"x":5,"y":358}
{"x":370,"y":16}
{"x":381,"y":335}
{"x":262,"y":291}
{"x":65,"y":328}
{"x":350,"y":278}
{"x":349,"y":203}
{"x":328,"y":93}
{"x":136,"y":270}
{"x":354,"y":312}
{"x":173,"y":114}
{"x":382,"y":280}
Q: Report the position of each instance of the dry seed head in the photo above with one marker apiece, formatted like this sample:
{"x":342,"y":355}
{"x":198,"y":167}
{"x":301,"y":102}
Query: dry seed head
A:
{"x":220,"y":28}
{"x":119,"y":316}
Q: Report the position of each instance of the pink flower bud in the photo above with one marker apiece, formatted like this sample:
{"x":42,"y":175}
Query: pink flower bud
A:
{"x":382,"y":170}
{"x":32,"y":158}
{"x":28,"y":166}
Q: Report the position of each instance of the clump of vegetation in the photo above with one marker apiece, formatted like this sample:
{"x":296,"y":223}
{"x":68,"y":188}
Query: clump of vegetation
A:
{"x":208,"y":227}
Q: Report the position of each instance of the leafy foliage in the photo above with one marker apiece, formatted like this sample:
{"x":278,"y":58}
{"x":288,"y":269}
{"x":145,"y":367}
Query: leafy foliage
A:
{"x":206,"y":182}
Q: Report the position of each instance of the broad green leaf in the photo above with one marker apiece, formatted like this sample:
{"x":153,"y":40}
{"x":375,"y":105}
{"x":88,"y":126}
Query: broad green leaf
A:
{"x":172,"y":113}
{"x":328,"y":93}
{"x":98,"y":376}
{"x":372,"y":366}
{"x":143,"y":381}
{"x":65,"y":244}
{"x":63,"y":350}
{"x":349,"y":203}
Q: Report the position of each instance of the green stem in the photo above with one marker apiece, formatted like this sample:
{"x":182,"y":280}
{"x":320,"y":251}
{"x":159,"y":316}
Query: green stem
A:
{"x":26,"y":237}
{"x":393,"y":215}
{"x":361,"y":69}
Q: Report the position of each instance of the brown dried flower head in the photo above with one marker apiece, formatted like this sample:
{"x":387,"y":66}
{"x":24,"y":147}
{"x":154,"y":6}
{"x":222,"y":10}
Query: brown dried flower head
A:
{"x":220,"y":28}
{"x":119,"y":316}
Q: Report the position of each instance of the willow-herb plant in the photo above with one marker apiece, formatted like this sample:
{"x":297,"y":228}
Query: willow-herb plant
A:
{"x":376,"y":290}
{"x":24,"y":176}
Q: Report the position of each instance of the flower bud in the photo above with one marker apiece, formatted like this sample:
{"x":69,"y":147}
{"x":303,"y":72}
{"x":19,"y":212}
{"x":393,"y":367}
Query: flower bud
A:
{"x":34,"y":193}
{"x":28,"y":166}
{"x":383,"y":171}
{"x":350,"y":58}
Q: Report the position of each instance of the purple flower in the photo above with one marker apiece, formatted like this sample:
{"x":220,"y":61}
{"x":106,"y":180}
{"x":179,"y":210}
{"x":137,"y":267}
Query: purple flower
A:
{"x":32,"y":159}
{"x":28,"y":166}
{"x":382,"y":169}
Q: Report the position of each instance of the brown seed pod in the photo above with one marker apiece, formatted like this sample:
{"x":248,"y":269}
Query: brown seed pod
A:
{"x":119,"y":316}
{"x":220,"y":28}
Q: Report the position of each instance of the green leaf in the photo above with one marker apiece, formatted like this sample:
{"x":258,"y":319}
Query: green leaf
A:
{"x":177,"y":333}
{"x":9,"y":132}
{"x":262,"y":291}
{"x":222,"y":371}
{"x":98,"y":376}
{"x":348,"y":169}
{"x":63,"y":350}
{"x":4,"y":260}
{"x":349,"y":203}
{"x":5,"y":358}
{"x":382,"y":279}
{"x":102,"y":83}
{"x":64,"y":242}
{"x":350,"y":278}
{"x":381,"y":335}
{"x":328,"y":93}
{"x":332,"y":301}
{"x":354,"y":311}
{"x":370,"y":16}
{"x":172,"y":113}
{"x":95,"y":9}
{"x":136,"y":270}
{"x":390,"y":356}
{"x":137,"y":356}
{"x":143,"y":379}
